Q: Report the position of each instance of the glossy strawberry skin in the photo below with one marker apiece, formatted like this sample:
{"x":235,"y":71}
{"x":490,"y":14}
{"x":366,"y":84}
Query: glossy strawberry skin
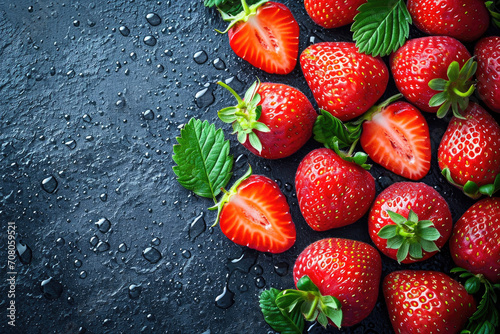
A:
{"x":258,"y":216}
{"x":475,"y":242}
{"x":346,"y":269}
{"x":465,"y":20}
{"x":400,"y":197}
{"x":419,"y":61}
{"x":331,"y":191}
{"x":332,"y":13}
{"x":487,"y":52}
{"x":470,"y":148}
{"x":343,"y":81}
{"x":428,"y":302}
{"x":269,"y":40}
{"x":289,"y":115}
{"x":397,"y":138}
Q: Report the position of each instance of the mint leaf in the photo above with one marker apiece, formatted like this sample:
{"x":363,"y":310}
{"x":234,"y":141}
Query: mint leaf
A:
{"x":202,"y":157}
{"x":282,"y":322}
{"x":381,"y":26}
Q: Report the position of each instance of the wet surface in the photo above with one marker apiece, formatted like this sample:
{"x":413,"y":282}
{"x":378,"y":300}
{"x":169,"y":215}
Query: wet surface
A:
{"x":92,"y":97}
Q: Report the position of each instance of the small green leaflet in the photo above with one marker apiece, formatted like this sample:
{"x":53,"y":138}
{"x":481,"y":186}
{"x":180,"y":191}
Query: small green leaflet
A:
{"x":202,"y":157}
{"x":230,"y":7}
{"x":494,"y":9}
{"x":381,"y":26}
{"x":282,"y":322}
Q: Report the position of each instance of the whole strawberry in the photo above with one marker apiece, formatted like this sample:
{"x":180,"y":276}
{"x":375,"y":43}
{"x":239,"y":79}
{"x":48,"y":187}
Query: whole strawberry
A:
{"x":427,"y":302}
{"x":465,"y":20}
{"x":273,"y":121}
{"x":475,"y":242}
{"x":487,"y":52}
{"x":409,"y":222}
{"x":420,"y":60}
{"x":332,"y":13}
{"x":469,"y":152}
{"x":344,"y":82}
{"x":332,"y":192}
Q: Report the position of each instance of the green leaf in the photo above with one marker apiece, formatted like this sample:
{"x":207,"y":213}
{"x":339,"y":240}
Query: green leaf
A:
{"x":430,"y":234}
{"x":388,"y":231}
{"x":415,"y":250}
{"x":396,"y":217}
{"x":305,"y":284}
{"x":403,"y":251}
{"x":329,"y":129}
{"x":395,"y":242}
{"x":381,"y":26}
{"x":494,"y":9}
{"x":289,"y":299}
{"x":490,"y":189}
{"x":203,"y":161}
{"x":282,"y":322}
{"x":229,"y":7}
{"x":428,"y":246}
{"x":472,"y":285}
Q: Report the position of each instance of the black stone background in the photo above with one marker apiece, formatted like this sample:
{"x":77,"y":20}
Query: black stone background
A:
{"x":70,"y":77}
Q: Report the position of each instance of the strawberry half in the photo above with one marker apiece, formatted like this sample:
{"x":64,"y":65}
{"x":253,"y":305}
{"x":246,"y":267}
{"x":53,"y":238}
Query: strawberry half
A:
{"x":266,"y":35}
{"x":255,"y":213}
{"x":427,"y":302}
{"x":487,"y":52}
{"x":332,"y":13}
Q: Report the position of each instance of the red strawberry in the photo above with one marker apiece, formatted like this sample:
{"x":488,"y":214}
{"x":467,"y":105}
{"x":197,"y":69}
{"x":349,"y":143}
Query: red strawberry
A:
{"x":396,"y":136}
{"x":423,"y":59}
{"x":409,"y":222}
{"x":348,"y":270}
{"x":427,"y":302}
{"x":465,"y":20}
{"x":332,"y":13}
{"x":475,"y":242}
{"x":273,"y":121}
{"x":487,"y":52}
{"x":266,"y":35}
{"x":344,"y":82}
{"x":469,"y":152}
{"x":255,"y":213}
{"x":332,"y":192}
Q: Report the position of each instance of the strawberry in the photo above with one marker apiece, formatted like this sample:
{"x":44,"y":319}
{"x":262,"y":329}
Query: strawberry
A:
{"x":273,"y":121}
{"x":475,"y":242}
{"x":266,"y":35}
{"x":469,"y":152}
{"x":465,"y":20}
{"x":428,"y":302}
{"x":409,"y":222}
{"x":344,"y":82}
{"x":332,"y":13}
{"x":331,"y":191}
{"x":420,"y":60}
{"x":487,"y":52}
{"x":255,"y":213}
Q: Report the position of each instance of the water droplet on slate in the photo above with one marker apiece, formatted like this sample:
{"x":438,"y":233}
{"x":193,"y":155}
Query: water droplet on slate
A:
{"x":78,"y":263}
{"x":235,"y":84}
{"x":30,"y":9}
{"x":226,"y":299}
{"x":71,"y":74}
{"x":204,"y":98}
{"x":150,"y":40}
{"x":49,"y":184}
{"x":257,"y":270}
{"x":83,"y":274}
{"x":134,"y":291}
{"x":76,"y":23}
{"x":281,"y":268}
{"x":51,"y":288}
{"x":71,"y":144}
{"x":122,"y":248}
{"x":151,"y":254}
{"x":148,"y":115}
{"x":260,"y":282}
{"x":125,"y":31}
{"x":219,"y":64}
{"x":103,"y":197}
{"x":153,"y":19}
{"x":197,"y":226}
{"x":24,"y":253}
{"x":103,"y":225}
{"x":156,"y":242}
{"x":186,"y":254}
{"x":87,"y":118}
{"x":200,"y":57}
{"x":288,"y":186}
{"x":102,"y":246}
{"x":94,"y":241}
{"x":52,"y":70}
{"x":133,"y":55}
{"x":244,"y":263}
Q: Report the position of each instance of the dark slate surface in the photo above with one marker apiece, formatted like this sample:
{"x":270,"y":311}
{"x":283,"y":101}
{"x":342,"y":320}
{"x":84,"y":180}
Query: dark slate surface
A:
{"x":92,"y":96}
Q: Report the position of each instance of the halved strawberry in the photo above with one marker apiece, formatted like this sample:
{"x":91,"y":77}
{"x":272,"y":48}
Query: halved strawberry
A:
{"x":255,"y":213}
{"x":266,"y":35}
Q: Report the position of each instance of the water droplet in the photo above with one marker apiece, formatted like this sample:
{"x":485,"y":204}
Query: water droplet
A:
{"x":244,"y":263}
{"x":219,"y":64}
{"x":51,"y":288}
{"x":103,"y":225}
{"x":204,"y":98}
{"x":76,"y":23}
{"x":148,"y":115}
{"x":30,"y":9}
{"x":122,"y":248}
{"x":257,"y":270}
{"x":235,"y":84}
{"x":153,"y":19}
{"x":134,"y":291}
{"x":60,"y":242}
{"x":103,"y":197}
{"x":260,"y":282}
{"x":125,"y":31}
{"x":94,"y":241}
{"x":133,"y":55}
{"x":78,"y":263}
{"x":226,"y":299}
{"x":243,"y":287}
{"x":24,"y":253}
{"x":241,"y":161}
{"x":186,"y":254}
{"x":87,"y":118}
{"x":71,"y":74}
{"x":281,"y":268}
{"x":71,"y":144}
{"x":151,"y":254}
{"x":49,"y":184}
{"x":150,"y":40}
{"x":288,"y":186}
{"x":178,"y":285}
{"x":156,"y":242}
{"x":200,"y":57}
{"x":160,"y":68}
{"x":197,"y":226}
{"x":83,"y":274}
{"x":102,"y":246}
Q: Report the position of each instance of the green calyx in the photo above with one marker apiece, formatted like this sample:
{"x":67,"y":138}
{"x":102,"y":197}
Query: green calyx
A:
{"x":486,"y":318}
{"x":471,"y":189}
{"x":243,"y":16}
{"x":285,"y":311}
{"x":227,"y":194}
{"x":244,"y":116}
{"x":409,"y":235}
{"x":494,"y":9}
{"x":455,"y":91}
